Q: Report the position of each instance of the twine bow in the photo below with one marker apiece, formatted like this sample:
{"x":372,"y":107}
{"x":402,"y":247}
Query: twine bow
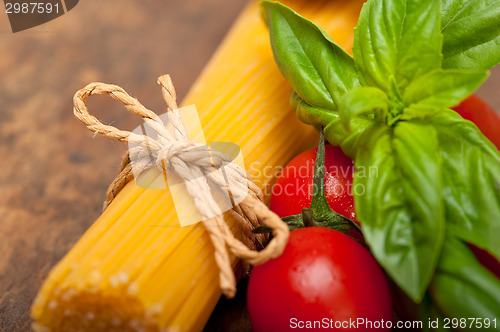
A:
{"x":191,"y":162}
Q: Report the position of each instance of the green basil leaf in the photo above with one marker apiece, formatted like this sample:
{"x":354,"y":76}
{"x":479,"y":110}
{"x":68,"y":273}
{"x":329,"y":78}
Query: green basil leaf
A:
{"x":401,"y":209}
{"x":471,"y":33}
{"x":318,"y":69}
{"x":471,"y":180}
{"x":362,"y":100}
{"x":335,"y":131}
{"x":348,"y":139}
{"x":462,"y":287}
{"x":417,"y":111}
{"x":453,"y":10}
{"x":312,"y":115}
{"x":397,"y":38}
{"x":483,"y":56}
{"x":443,"y":88}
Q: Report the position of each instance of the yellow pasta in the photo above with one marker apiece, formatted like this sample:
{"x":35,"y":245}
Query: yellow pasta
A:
{"x":136,"y":269}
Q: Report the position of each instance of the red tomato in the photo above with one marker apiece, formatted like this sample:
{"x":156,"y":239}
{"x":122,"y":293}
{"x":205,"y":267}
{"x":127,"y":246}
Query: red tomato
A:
{"x":486,"y":260}
{"x":294,"y":186}
{"x":483,"y":115}
{"x":323,"y":275}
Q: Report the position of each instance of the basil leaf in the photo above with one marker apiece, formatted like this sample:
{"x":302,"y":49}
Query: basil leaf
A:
{"x":443,"y":88}
{"x":482,"y":56}
{"x":471,"y":33}
{"x":397,"y":38}
{"x":471,"y":180}
{"x":453,"y":10}
{"x":362,"y":100}
{"x":311,"y":115}
{"x":318,"y":69}
{"x":462,"y":287}
{"x":335,"y":131}
{"x":348,"y":139}
{"x":401,"y":209}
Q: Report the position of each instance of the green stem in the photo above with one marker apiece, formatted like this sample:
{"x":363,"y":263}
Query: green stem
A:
{"x":319,"y":204}
{"x":319,"y":212}
{"x":308,"y":217}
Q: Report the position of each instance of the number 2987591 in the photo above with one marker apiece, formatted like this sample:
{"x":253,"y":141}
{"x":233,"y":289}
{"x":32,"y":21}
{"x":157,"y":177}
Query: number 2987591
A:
{"x":32,"y":8}
{"x":470,"y":323}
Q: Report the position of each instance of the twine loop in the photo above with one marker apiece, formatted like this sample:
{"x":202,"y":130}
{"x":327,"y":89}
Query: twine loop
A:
{"x":192,"y":163}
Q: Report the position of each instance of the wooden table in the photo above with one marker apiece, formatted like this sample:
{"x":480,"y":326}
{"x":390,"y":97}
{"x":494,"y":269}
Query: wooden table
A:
{"x":53,"y":174}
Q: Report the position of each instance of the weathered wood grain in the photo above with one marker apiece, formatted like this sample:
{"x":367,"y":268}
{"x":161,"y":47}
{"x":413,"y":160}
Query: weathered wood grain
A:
{"x":53,"y":175}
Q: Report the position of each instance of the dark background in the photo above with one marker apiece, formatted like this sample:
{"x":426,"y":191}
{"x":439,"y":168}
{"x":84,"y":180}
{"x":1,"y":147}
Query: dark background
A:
{"x":53,"y":175}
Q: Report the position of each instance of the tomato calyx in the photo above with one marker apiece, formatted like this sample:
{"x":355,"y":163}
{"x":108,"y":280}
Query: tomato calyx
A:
{"x":319,"y":212}
{"x":331,"y":220}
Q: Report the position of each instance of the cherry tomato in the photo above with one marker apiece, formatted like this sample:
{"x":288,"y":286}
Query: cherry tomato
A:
{"x":486,"y":260}
{"x":323,"y":275}
{"x":483,"y":115}
{"x":294,"y":186}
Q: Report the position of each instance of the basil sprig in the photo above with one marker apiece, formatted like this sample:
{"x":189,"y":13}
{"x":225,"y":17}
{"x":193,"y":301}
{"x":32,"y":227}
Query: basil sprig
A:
{"x":388,"y":108}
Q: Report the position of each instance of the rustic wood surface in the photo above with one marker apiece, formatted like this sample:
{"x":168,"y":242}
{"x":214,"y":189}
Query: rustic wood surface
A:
{"x":53,"y":174}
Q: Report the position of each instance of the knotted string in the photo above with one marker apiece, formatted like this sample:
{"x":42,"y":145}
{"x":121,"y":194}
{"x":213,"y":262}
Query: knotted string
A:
{"x":192,"y":163}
